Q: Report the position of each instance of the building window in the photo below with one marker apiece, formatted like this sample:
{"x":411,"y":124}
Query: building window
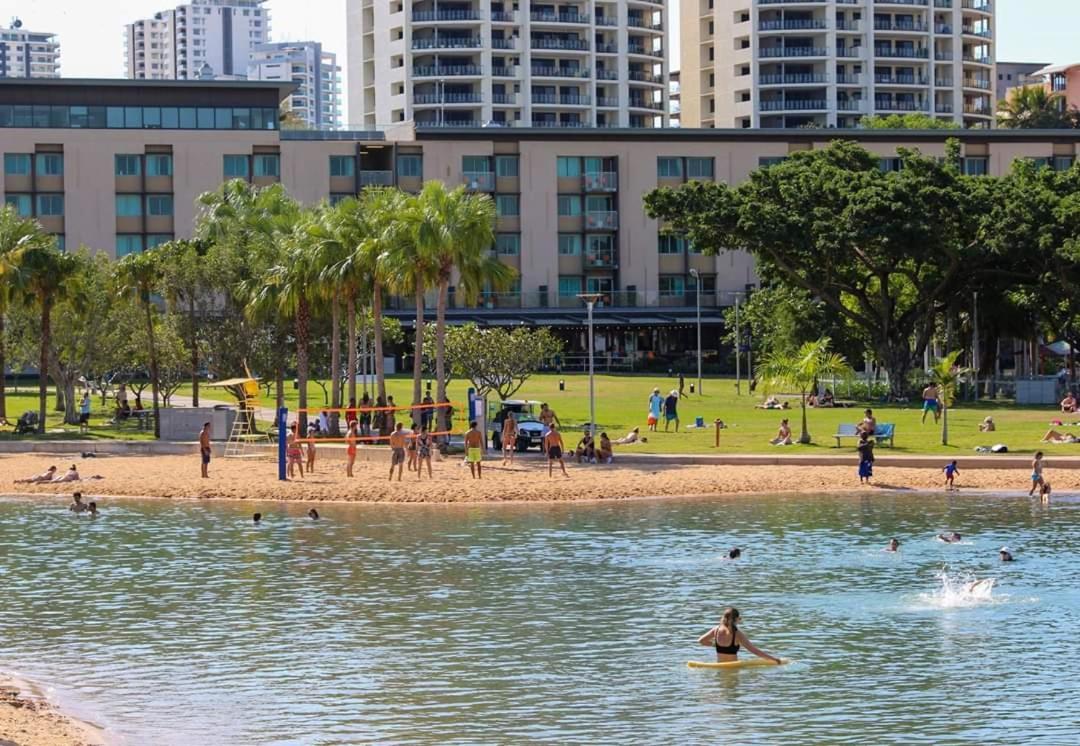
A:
{"x":17,"y":164}
{"x":1063,"y":162}
{"x":568,"y":168}
{"x":159,"y":164}
{"x":22,"y":203}
{"x":672,"y":286}
{"x":342,"y":165}
{"x":699,"y":168}
{"x":569,"y":206}
{"x":770,"y":160}
{"x":128,"y":206}
{"x":159,"y":205}
{"x":508,"y":244}
{"x":127,"y":165}
{"x":976,"y":166}
{"x":475,"y":164}
{"x":410,"y":166}
{"x":669,"y":168}
{"x":128,"y":243}
{"x":507,"y":205}
{"x":268,"y":165}
{"x":569,"y":286}
{"x":50,"y":205}
{"x":569,"y":244}
{"x":236,"y":167}
{"x":671,"y":244}
{"x":61,"y":241}
{"x":157,"y":239}
{"x":506,"y":166}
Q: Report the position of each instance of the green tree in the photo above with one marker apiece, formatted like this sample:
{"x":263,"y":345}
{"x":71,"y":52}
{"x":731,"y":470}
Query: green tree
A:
{"x":497,"y":360}
{"x":185,"y":284}
{"x":138,"y":276}
{"x":1034,"y":107}
{"x":946,"y":376}
{"x":801,"y":371}
{"x":912,"y":121}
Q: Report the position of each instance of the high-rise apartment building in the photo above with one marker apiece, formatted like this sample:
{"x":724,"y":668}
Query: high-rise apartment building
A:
{"x":828,"y":63}
{"x":198,"y":39}
{"x":28,"y":54}
{"x":574,"y":63}
{"x":316,"y":102}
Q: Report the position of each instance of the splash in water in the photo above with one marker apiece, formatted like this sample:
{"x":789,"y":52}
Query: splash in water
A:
{"x":960,"y":590}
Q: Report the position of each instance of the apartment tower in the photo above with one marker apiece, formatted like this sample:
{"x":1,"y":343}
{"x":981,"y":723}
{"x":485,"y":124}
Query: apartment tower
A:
{"x":198,"y":39}
{"x":316,"y":102}
{"x":828,"y":63}
{"x":28,"y":54}
{"x":462,"y":63}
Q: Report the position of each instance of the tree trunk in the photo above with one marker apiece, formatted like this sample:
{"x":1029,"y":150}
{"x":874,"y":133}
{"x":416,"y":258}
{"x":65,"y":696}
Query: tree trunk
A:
{"x":376,"y":315}
{"x":897,"y":361}
{"x":440,"y":340}
{"x":70,"y":418}
{"x":945,"y":425}
{"x":804,"y":437}
{"x":350,"y":335}
{"x":3,"y":371}
{"x":153,"y":367}
{"x":302,"y":319}
{"x":335,"y":363}
{"x":194,"y":352}
{"x":43,"y":360}
{"x":58,"y":391}
{"x":418,"y":344}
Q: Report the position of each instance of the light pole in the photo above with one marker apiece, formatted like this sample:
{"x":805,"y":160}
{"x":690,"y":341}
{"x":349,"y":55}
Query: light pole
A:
{"x":738,"y":351}
{"x":697,"y":277}
{"x":590,"y":301}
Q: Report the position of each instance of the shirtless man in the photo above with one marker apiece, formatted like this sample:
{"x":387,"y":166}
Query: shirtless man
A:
{"x":553,"y":447}
{"x":509,"y":438}
{"x":204,"y":449}
{"x":930,"y":402}
{"x":77,"y":505}
{"x":547,"y":416}
{"x":397,"y":451}
{"x":474,"y":454}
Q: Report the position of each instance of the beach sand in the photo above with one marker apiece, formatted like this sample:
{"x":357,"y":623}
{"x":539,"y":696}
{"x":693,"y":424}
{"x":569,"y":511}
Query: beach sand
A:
{"x":26,"y":719}
{"x":526,"y":480}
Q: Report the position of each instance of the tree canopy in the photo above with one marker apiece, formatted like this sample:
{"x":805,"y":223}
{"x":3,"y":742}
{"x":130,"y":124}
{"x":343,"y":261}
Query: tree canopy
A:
{"x":1034,"y":107}
{"x":912,"y":121}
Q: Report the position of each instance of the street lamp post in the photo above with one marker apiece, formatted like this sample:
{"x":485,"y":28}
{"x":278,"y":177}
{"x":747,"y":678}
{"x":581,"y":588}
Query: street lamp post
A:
{"x":590,"y":301}
{"x":697,"y":277}
{"x":738,"y":351}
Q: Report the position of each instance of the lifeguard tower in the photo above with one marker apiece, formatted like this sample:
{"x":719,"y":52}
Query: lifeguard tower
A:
{"x":244,"y":438}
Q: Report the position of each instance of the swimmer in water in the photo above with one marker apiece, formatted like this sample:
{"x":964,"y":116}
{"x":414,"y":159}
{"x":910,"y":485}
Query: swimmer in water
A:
{"x":313,"y":514}
{"x":1044,"y":493}
{"x":734,"y":553}
{"x":950,"y":538}
{"x":91,"y":509}
{"x":728,"y":631}
{"x":894,"y":546}
{"x":256,"y":518}
{"x":77,"y":505}
{"x":1005,"y":554}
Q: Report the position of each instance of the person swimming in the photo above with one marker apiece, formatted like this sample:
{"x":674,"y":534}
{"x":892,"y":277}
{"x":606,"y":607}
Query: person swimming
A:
{"x":256,"y":518}
{"x":313,"y":514}
{"x":1005,"y":555}
{"x":77,"y":505}
{"x":734,"y":553}
{"x":894,"y":546}
{"x":729,"y":631}
{"x":949,"y":538}
{"x":91,"y":509}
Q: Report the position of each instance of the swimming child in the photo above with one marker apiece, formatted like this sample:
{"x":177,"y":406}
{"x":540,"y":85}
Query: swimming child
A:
{"x":91,"y":509}
{"x":1005,"y":554}
{"x":256,"y":518}
{"x":1036,"y":473}
{"x":894,"y":546}
{"x":314,"y":514}
{"x":951,"y":470}
{"x":950,"y":538}
{"x":734,"y":553}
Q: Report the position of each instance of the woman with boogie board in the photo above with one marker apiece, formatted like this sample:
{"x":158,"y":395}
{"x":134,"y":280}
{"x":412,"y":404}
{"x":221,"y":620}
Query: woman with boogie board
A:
{"x":726,"y":637}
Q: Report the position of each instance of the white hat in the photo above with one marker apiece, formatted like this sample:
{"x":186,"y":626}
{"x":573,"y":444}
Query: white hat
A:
{"x":1004,"y":549}
{"x":674,"y":393}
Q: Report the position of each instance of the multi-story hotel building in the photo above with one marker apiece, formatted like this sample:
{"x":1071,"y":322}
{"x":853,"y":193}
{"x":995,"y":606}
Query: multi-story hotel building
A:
{"x":828,"y":63}
{"x":118,"y":165}
{"x":198,"y":39}
{"x":1014,"y":74}
{"x":28,"y":54}
{"x":316,"y":102}
{"x":466,"y":63}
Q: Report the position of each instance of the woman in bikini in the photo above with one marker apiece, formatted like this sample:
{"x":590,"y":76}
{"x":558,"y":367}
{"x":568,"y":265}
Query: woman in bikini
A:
{"x":294,"y":452}
{"x":727,"y":638}
{"x":423,"y":452}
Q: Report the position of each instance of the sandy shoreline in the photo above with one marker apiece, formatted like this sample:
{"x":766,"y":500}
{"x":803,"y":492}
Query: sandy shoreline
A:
{"x":525,"y":481}
{"x":28,"y":719}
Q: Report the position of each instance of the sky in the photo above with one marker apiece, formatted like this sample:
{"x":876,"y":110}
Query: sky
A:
{"x":92,"y":33}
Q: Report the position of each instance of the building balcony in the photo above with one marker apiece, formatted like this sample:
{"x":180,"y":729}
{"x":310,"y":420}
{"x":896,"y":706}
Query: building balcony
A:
{"x":439,"y":71}
{"x":920,"y":53}
{"x":447,"y":42}
{"x":607,"y":220}
{"x":501,"y":16}
{"x":599,"y":260}
{"x":603,"y":181}
{"x":568,"y":99}
{"x":642,"y":76}
{"x":775,"y":52}
{"x":566,"y":45}
{"x":793,"y":25}
{"x":884,"y":104}
{"x":559,"y":72}
{"x":644,"y":51}
{"x":851,"y":106}
{"x":559,"y":123}
{"x":422,"y":99}
{"x":606,"y":21}
{"x":901,"y":80}
{"x":793,"y":79}
{"x":978,"y":6}
{"x":982,"y":85}
{"x":499,"y":71}
{"x":607,"y":102}
{"x":504,"y":99}
{"x":607,"y":48}
{"x":442,"y":16}
{"x":641,"y":103}
{"x":901,"y":26}
{"x":799,"y":104}
{"x":544,"y":16}
{"x":376,"y":178}
{"x":479,"y":181}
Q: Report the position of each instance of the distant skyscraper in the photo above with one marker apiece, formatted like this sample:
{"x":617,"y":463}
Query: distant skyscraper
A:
{"x":317,"y":100}
{"x":28,"y":54}
{"x":198,"y":39}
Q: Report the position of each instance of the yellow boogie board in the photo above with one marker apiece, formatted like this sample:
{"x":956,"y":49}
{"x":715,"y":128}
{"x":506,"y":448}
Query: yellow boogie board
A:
{"x":728,"y":665}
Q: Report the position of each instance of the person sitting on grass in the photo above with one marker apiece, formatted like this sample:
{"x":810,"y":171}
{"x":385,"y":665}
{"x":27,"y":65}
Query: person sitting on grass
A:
{"x":46,"y":476}
{"x":783,"y":434}
{"x":124,"y":412}
{"x":987,"y":425}
{"x":1068,"y":404}
{"x":1053,"y":436}
{"x":606,"y":453}
{"x":811,"y":400}
{"x":827,"y":399}
{"x":772,"y":402}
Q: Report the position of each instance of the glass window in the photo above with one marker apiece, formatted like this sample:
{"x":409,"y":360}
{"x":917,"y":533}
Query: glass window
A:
{"x":50,"y":205}
{"x":669,"y":244}
{"x":506,"y":166}
{"x":23,"y":115}
{"x":236,"y":167}
{"x":61,"y":241}
{"x":152,"y":117}
{"x":128,"y":206}
{"x":257,"y":120}
{"x":41,"y":117}
{"x":1063,"y":162}
{"x":96,"y":117}
{"x":568,"y":167}
{"x":888,"y":165}
{"x":669,"y":168}
{"x":17,"y":164}
{"x":127,"y":243}
{"x":159,"y":204}
{"x":114,"y":117}
{"x":6,"y":115}
{"x":599,"y":204}
{"x":336,"y":197}
{"x":410,"y":165}
{"x":699,"y":168}
{"x":977,"y":166}
{"x":59,"y":116}
{"x":170,"y":118}
{"x":475,"y":164}
{"x":770,"y":160}
{"x":133,"y":117}
{"x":205,"y":118}
{"x":188,"y":119}
{"x":267,"y":165}
{"x":569,"y":244}
{"x":50,"y":164}
{"x":156,"y":239}
{"x":22,"y":204}
{"x":223,"y":118}
{"x":507,"y":205}
{"x":569,"y":285}
{"x":159,"y":164}
{"x":270,"y":119}
{"x":342,"y":165}
{"x":672,"y":285}
{"x":241,"y":118}
{"x":569,"y":206}
{"x":508,"y":244}
{"x":127,"y":165}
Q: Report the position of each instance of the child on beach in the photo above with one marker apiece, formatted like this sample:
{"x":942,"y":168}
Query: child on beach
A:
{"x":311,"y":449}
{"x":1036,"y":473}
{"x":1044,"y":493}
{"x":350,"y":448}
{"x":866,"y":458}
{"x":951,"y":470}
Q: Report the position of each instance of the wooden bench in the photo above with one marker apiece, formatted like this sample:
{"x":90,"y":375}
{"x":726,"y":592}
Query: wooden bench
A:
{"x":884,"y":431}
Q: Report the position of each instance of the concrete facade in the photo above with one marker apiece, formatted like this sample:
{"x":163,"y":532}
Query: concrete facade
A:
{"x":1013,"y":74}
{"x":828,"y":63}
{"x":28,"y":54}
{"x":316,"y":102}
{"x":581,"y":63}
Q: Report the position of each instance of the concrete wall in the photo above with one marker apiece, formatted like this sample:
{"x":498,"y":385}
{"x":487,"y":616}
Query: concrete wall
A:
{"x":185,"y":423}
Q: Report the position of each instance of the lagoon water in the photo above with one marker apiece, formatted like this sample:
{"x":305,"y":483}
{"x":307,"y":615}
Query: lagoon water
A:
{"x":182,"y":623}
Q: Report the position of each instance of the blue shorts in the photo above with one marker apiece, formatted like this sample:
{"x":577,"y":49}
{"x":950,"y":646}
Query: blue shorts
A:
{"x":929,"y":405}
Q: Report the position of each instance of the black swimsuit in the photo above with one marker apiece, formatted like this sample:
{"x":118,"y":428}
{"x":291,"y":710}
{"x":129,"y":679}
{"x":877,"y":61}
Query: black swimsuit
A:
{"x":732,"y":649}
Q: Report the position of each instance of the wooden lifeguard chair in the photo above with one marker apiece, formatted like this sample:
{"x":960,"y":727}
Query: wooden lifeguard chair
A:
{"x":244,"y":435}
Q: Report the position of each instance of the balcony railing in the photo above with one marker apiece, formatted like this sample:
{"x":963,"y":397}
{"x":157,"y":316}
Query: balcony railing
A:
{"x":432,"y":71}
{"x":794,"y":105}
{"x":601,"y":181}
{"x":903,"y":52}
{"x":447,"y":42}
{"x":544,"y":16}
{"x":480,"y":181}
{"x":793,"y":51}
{"x":376,"y":178}
{"x":599,"y":220}
{"x":793,"y":79}
{"x":793,"y":25}
{"x":568,"y":99}
{"x":426,"y":16}
{"x":580,"y":45}
{"x":447,"y":98}
{"x":560,"y":72}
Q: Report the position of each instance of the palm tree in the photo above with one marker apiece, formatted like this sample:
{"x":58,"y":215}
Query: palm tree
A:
{"x":1034,"y":107}
{"x":801,"y":371}
{"x":945,"y":376}
{"x":44,"y":272}
{"x":138,"y":276}
{"x":17,"y":236}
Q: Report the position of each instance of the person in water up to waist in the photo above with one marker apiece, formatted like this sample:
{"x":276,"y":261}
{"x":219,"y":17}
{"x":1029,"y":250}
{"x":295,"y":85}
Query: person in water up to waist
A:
{"x":727,"y":638}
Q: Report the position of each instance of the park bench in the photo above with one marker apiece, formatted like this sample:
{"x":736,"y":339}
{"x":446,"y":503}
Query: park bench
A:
{"x":884,"y":431}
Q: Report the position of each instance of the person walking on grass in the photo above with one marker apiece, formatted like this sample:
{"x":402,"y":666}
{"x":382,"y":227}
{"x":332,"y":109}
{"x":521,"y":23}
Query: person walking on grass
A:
{"x":656,"y":404}
{"x":930,"y":402}
{"x":553,"y":446}
{"x":1037,"y":480}
{"x":671,"y":410}
{"x":350,"y":447}
{"x":951,"y":470}
{"x":474,"y":455}
{"x":84,"y":413}
{"x":204,"y":449}
{"x":397,"y":451}
{"x":423,"y":452}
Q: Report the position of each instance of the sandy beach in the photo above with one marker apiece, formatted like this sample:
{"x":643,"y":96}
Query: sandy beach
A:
{"x":525,"y":481}
{"x":26,"y":719}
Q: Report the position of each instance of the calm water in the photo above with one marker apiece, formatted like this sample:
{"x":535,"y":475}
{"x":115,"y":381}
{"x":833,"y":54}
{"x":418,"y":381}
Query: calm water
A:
{"x":185,"y":624}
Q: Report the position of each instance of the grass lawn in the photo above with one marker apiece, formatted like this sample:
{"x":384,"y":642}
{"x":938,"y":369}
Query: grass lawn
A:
{"x":622,"y":403}
{"x":55,"y":428}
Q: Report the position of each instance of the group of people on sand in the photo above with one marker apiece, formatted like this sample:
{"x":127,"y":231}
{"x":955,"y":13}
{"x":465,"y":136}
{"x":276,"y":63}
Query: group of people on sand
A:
{"x":51,"y":475}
